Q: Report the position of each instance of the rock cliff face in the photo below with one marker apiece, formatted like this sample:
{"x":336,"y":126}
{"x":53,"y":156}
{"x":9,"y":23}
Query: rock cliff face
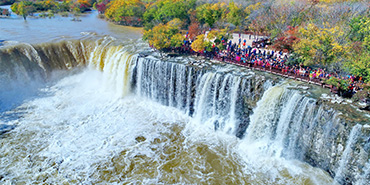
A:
{"x":250,"y":106}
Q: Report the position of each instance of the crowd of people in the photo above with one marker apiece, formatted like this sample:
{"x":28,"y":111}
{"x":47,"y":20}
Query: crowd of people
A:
{"x":260,"y":56}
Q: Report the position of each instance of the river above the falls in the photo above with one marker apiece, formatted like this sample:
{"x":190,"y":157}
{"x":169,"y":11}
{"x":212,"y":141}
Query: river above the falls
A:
{"x":39,"y":30}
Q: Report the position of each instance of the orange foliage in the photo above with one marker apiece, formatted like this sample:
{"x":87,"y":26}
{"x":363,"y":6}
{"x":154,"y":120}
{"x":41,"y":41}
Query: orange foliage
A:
{"x":194,"y":30}
{"x":84,"y":2}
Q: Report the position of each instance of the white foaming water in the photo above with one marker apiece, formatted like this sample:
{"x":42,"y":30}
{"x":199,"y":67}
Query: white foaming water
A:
{"x":341,"y":170}
{"x":264,"y":142}
{"x":81,"y":124}
{"x":261,"y":126}
{"x":77,"y":125}
{"x":366,"y":172}
{"x":216,"y":101}
{"x":87,"y":128}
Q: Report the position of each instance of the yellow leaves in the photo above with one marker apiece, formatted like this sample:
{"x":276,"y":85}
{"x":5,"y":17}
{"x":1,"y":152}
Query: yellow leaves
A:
{"x":252,"y":7}
{"x":214,"y":7}
{"x":212,"y":34}
{"x":175,"y":23}
{"x":320,"y":44}
{"x":222,"y":4}
{"x":211,"y":13}
{"x":165,"y":35}
{"x":198,"y":43}
{"x":306,"y":49}
{"x":359,"y":65}
{"x":120,"y":8}
{"x":177,"y":40}
{"x":159,"y":39}
{"x":217,"y":6}
{"x":248,"y":10}
{"x":365,"y":26}
{"x":312,"y":31}
{"x":338,"y":48}
{"x":216,"y":34}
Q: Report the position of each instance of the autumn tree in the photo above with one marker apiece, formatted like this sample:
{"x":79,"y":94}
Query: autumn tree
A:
{"x":251,"y":8}
{"x":219,"y":38}
{"x":163,"y":11}
{"x":359,"y":65}
{"x":64,"y":6}
{"x":46,"y":5}
{"x":85,"y":5}
{"x":165,"y":35}
{"x":23,"y":8}
{"x":194,"y":30}
{"x":211,"y":13}
{"x":320,"y":45}
{"x":125,"y":11}
{"x":359,"y":60}
{"x":287,"y":40}
{"x":177,"y":40}
{"x":101,"y":6}
{"x":235,"y":14}
{"x":199,"y":43}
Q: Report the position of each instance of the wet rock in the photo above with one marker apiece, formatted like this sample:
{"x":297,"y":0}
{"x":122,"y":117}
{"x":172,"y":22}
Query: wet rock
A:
{"x":140,"y":139}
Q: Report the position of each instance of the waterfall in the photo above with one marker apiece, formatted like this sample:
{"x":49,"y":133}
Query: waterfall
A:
{"x":272,"y":120}
{"x":167,"y":83}
{"x":363,"y":179}
{"x":347,"y":154}
{"x":287,"y":124}
{"x":25,"y":68}
{"x":265,"y":115}
{"x":217,"y":99}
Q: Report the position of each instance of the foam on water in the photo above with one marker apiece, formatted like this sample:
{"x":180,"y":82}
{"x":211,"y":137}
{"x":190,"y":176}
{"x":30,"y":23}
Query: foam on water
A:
{"x":90,"y":127}
{"x":74,"y":127}
{"x":80,"y":130}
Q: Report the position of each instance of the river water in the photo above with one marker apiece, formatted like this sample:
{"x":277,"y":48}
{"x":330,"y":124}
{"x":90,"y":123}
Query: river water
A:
{"x":38,"y":30}
{"x":87,"y":125}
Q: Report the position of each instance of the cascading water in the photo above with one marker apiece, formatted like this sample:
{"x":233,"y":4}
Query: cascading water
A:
{"x":343,"y":162}
{"x":363,"y":178}
{"x":118,"y":117}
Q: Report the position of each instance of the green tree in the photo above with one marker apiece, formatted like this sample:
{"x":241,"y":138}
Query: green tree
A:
{"x":320,"y":45}
{"x":23,"y":8}
{"x":118,"y":10}
{"x":360,"y":28}
{"x":177,"y":40}
{"x":360,"y":65}
{"x":235,"y":15}
{"x":358,"y":62}
{"x":216,"y":37}
{"x":164,"y":11}
{"x":161,"y":35}
{"x":211,"y":13}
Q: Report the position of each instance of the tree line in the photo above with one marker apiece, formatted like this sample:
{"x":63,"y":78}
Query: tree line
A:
{"x":330,"y":34}
{"x":26,"y":8}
